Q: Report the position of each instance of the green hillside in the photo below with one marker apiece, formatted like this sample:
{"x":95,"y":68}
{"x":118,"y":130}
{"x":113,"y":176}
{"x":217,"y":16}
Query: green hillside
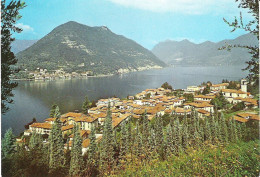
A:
{"x":76,"y":47}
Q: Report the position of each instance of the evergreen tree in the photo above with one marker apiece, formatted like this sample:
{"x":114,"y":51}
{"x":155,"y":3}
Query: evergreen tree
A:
{"x":151,"y":139}
{"x":107,"y":143}
{"x":52,"y":111}
{"x":35,"y":140}
{"x":128,"y":137}
{"x":8,"y":143}
{"x":123,"y":142}
{"x":76,"y":162}
{"x":145,"y":131}
{"x":9,"y":17}
{"x":56,"y":148}
{"x":224,"y":129}
{"x":169,"y":141}
{"x":139,"y":144}
{"x":86,"y":105}
{"x":57,"y":112}
{"x":158,"y":133}
{"x":92,"y":146}
{"x":207,"y":130}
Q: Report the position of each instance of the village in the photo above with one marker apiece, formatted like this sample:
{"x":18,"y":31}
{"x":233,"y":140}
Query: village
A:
{"x":152,"y":103}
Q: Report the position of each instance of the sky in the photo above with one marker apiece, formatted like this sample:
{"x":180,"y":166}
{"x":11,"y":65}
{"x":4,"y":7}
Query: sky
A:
{"x":147,"y":22}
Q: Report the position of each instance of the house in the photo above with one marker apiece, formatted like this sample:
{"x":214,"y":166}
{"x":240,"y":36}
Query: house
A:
{"x":204,"y":97}
{"x":248,"y":101}
{"x":41,"y":128}
{"x":245,"y":117}
{"x":218,"y":87}
{"x":87,"y":122}
{"x":182,"y":111}
{"x":67,"y":129}
{"x":202,"y":105}
{"x":203,"y":113}
{"x":192,"y":89}
{"x":230,"y":94}
{"x":83,"y":133}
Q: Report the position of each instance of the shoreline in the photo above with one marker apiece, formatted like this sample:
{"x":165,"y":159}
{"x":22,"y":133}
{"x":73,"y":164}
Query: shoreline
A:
{"x":96,"y":76}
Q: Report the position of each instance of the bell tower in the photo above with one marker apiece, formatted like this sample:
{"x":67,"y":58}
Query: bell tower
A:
{"x":244,"y":85}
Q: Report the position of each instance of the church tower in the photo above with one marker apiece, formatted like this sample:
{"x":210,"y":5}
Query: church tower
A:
{"x":244,"y":85}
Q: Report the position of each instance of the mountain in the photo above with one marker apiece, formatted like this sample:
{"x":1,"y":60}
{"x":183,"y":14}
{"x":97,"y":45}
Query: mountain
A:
{"x":20,"y":45}
{"x":206,"y":53}
{"x":77,"y":47}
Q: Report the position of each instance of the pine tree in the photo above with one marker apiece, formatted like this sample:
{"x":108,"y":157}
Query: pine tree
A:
{"x":158,"y":133}
{"x":235,"y":130}
{"x":207,"y":130}
{"x":224,"y":129}
{"x":86,"y":105}
{"x":123,"y":142}
{"x":231,"y":131}
{"x":57,"y":112}
{"x":151,"y":139}
{"x":8,"y":143}
{"x":169,"y":141}
{"x":76,"y":162}
{"x":128,"y":137}
{"x":56,"y":148}
{"x":52,"y":111}
{"x":139,"y":144}
{"x":92,"y":146}
{"x":35,"y":140}
{"x":107,"y":142}
{"x":145,"y":131}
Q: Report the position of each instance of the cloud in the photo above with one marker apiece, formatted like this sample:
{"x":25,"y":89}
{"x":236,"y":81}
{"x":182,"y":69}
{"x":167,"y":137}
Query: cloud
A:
{"x":26,"y":28}
{"x":192,"y":7}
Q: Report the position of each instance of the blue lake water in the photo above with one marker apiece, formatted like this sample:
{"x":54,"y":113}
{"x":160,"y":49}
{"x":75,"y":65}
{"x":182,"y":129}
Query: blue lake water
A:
{"x":34,"y":98}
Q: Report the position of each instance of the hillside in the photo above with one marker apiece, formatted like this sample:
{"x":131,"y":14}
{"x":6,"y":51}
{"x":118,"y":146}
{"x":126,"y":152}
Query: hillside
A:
{"x":20,"y":45}
{"x":76,"y":47}
{"x":206,"y":53}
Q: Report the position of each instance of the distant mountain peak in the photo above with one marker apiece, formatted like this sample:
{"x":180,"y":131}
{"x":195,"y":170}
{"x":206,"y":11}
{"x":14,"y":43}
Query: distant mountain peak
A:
{"x":205,"y":53}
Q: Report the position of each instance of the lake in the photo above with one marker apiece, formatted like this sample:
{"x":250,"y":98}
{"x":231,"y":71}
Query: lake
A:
{"x":34,"y":98}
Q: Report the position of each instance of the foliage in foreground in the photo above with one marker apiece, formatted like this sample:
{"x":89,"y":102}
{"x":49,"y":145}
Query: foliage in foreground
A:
{"x":236,"y":159}
{"x":181,"y":144}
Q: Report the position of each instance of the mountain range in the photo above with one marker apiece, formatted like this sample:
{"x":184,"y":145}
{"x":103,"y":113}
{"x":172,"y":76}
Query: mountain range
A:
{"x":79,"y":48}
{"x":187,"y":53}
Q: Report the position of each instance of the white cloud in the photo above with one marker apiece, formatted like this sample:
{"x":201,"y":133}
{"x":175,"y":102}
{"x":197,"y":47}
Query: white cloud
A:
{"x":182,"y":6}
{"x":26,"y":28}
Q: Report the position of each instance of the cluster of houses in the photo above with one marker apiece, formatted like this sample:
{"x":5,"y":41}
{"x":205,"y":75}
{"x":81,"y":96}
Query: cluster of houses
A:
{"x":44,"y":74}
{"x":153,"y":102}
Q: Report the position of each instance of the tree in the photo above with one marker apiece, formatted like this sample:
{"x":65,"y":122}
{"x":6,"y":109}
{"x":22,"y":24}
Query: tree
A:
{"x":219,"y":101}
{"x":166,"y":86}
{"x":188,"y":97}
{"x":158,"y":132}
{"x":206,"y":90}
{"x":35,"y":140}
{"x":57,"y":112}
{"x":9,"y":17}
{"x":86,"y":105}
{"x":76,"y":161}
{"x":92,"y":146}
{"x":123,"y":142}
{"x":252,"y":27}
{"x":52,"y":111}
{"x":107,"y":142}
{"x":239,"y":106}
{"x":8,"y":143}
{"x":56,"y":153}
